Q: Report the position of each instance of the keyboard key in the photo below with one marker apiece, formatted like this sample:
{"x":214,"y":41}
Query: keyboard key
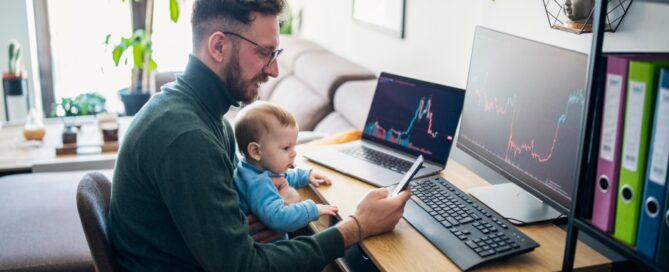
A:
{"x":453,"y":221}
{"x":422,"y":204}
{"x":466,"y":219}
{"x":502,"y":248}
{"x":486,"y":253}
{"x":471,"y":244}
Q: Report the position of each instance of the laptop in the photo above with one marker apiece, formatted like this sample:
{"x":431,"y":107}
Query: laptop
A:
{"x":407,"y":118}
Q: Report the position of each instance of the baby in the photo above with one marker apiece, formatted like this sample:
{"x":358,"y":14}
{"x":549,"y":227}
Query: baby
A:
{"x":266,"y":135}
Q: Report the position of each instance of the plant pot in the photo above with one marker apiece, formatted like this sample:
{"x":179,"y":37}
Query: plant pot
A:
{"x":133,"y":101}
{"x":15,"y":85}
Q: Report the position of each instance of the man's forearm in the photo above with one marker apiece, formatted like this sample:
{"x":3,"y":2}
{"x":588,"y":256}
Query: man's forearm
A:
{"x":350,"y":232}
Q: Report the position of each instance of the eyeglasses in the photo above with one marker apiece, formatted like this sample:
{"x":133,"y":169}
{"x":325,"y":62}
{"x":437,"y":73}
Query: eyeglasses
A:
{"x":272,"y":54}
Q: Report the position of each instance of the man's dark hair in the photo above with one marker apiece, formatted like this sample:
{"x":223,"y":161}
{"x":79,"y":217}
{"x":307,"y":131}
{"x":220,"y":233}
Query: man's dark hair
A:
{"x":229,"y":15}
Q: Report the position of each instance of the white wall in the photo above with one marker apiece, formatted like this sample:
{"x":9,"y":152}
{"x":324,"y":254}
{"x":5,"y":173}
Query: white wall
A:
{"x":439,"y":33}
{"x":16,"y":20}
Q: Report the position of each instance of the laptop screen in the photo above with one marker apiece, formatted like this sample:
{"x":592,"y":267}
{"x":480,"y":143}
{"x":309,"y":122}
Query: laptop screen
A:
{"x":414,"y":116}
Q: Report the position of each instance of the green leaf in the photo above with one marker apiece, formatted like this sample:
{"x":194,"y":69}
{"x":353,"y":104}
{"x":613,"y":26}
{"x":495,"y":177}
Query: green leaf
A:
{"x":107,"y":39}
{"x":138,"y":55}
{"x":117,"y":53}
{"x":287,"y":25}
{"x":152,"y":65}
{"x":126,"y":42}
{"x":174,"y":10}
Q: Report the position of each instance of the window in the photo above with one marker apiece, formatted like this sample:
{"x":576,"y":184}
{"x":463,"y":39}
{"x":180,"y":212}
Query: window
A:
{"x":81,"y":62}
{"x":172,"y":42}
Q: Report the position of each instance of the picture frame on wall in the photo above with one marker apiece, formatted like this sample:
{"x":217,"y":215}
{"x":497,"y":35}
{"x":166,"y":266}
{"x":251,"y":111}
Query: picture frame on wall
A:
{"x":386,"y":16}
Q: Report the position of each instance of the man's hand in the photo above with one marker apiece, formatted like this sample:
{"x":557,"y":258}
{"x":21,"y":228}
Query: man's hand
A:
{"x":287,"y":193}
{"x":264,"y":235}
{"x":317,"y":179}
{"x":377,"y":213}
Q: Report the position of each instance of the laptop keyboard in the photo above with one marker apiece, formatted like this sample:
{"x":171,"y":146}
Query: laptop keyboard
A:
{"x":385,"y":160}
{"x":465,"y":231}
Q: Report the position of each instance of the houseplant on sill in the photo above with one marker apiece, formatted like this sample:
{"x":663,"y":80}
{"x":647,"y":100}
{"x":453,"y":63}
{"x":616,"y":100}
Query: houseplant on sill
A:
{"x":141,"y":84}
{"x":82,"y":105}
{"x":14,"y":81}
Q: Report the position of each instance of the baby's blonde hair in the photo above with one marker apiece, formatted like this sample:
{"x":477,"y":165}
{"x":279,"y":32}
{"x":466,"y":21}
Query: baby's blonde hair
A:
{"x":253,"y":122}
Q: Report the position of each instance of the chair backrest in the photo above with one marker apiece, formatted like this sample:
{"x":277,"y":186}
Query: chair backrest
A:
{"x":93,"y":195}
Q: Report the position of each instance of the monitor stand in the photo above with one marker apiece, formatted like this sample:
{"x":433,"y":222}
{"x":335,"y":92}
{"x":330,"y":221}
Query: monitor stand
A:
{"x":514,"y":204}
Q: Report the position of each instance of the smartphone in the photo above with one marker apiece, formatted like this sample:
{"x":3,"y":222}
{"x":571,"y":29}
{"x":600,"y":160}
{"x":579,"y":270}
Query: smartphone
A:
{"x":408,"y":176}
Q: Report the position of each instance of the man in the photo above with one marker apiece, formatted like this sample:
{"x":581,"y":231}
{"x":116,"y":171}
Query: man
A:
{"x":173,"y":204}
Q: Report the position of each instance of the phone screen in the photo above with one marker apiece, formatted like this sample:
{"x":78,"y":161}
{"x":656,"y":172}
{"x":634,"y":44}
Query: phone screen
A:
{"x":408,"y":176}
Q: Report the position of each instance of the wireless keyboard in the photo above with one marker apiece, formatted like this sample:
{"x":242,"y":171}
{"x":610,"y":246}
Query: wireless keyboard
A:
{"x":465,"y":231}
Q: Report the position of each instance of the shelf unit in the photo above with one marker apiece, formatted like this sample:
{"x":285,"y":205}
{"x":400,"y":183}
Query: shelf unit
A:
{"x":582,"y":197}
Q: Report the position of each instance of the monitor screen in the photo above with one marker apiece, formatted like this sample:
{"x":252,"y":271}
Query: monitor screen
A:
{"x":524,"y":111}
{"x":414,"y":116}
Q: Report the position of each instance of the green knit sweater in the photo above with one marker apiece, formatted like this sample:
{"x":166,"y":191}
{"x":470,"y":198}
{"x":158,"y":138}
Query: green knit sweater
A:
{"x":173,"y":204}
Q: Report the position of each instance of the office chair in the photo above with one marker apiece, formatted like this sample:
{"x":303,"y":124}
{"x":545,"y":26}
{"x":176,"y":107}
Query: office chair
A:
{"x":93,"y":195}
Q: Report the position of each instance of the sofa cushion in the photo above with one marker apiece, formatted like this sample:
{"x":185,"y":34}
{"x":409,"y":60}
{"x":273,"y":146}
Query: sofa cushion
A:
{"x":333,"y":123}
{"x":351,"y":105}
{"x":293,"y":48}
{"x":307,"y":105}
{"x":308,"y":92}
{"x":40,"y":225}
{"x":324,"y":72}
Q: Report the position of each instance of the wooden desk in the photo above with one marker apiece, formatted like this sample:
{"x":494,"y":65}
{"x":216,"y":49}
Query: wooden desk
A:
{"x":19,"y":155}
{"x":405,"y":249}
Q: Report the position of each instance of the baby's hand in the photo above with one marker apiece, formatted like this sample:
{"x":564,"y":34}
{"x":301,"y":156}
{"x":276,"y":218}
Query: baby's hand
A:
{"x":317,"y":179}
{"x":327,"y":209}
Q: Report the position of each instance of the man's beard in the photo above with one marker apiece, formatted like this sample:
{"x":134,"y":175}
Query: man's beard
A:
{"x":238,"y":87}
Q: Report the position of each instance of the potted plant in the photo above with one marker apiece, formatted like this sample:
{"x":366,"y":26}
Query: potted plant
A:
{"x":69,"y":108}
{"x":140,"y":44}
{"x":14,"y":81}
{"x":83,"y":104}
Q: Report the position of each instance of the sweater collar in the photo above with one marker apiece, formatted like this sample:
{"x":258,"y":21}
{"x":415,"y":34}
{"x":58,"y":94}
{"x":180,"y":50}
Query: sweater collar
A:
{"x":207,"y":87}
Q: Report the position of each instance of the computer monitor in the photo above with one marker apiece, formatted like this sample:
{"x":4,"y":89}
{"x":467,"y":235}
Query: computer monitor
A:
{"x":522,"y":117}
